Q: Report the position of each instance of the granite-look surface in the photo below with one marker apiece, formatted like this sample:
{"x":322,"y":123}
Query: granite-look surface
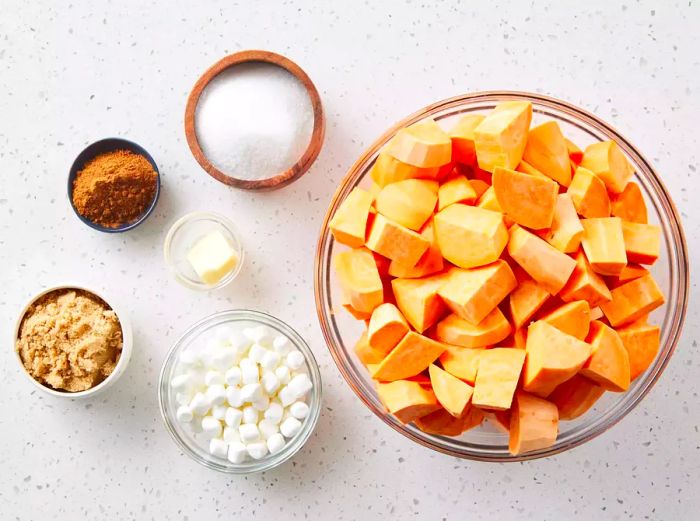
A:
{"x":77,"y":72}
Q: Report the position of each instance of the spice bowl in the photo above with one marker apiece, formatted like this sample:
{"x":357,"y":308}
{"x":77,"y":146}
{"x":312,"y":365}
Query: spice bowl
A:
{"x":122,"y":362}
{"x":104,"y":146}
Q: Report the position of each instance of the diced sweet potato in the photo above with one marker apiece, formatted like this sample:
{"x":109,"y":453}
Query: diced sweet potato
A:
{"x":431,"y":261}
{"x":358,"y":315}
{"x":566,"y":231}
{"x":386,"y":328}
{"x":412,"y":355}
{"x":497,"y":377}
{"x":609,"y":364}
{"x":629,"y":272}
{"x":552,"y":358}
{"x":575,"y":153}
{"x":396,"y":242}
{"x":423,"y":144}
{"x":366,"y":353}
{"x":641,"y":341}
{"x":359,"y":279}
{"x":606,"y":160}
{"x":573,"y":318}
{"x":527,"y":168}
{"x":349,"y":223}
{"x":501,"y":137}
{"x":407,"y":400}
{"x":526,"y":199}
{"x":472,"y":294}
{"x":585,"y":284}
{"x":525,"y":300}
{"x":462,"y":362}
{"x":443,"y":423}
{"x":479,"y":187}
{"x":542,"y":261}
{"x":633,"y":300}
{"x":387,"y":169}
{"x":629,"y":205}
{"x":589,"y":194}
{"x":534,"y":424}
{"x":462,"y":136}
{"x":546,"y":151}
{"x":452,"y":393}
{"x":604,"y":244}
{"x":418,"y":300}
{"x":575,"y":396}
{"x":457,"y":331}
{"x":597,"y":313}
{"x":499,"y":419}
{"x":488,"y":201}
{"x":642,"y":242}
{"x":410,"y":202}
{"x":469,"y":236}
{"x":456,"y":190}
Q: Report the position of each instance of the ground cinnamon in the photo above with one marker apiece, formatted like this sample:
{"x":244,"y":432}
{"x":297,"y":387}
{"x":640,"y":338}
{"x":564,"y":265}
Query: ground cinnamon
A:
{"x":115,"y":188}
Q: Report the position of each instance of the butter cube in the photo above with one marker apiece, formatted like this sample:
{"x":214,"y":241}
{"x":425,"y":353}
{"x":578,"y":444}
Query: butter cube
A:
{"x":212,"y":257}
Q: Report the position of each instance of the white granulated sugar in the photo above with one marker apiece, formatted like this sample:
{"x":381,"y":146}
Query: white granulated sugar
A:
{"x":254,"y":120}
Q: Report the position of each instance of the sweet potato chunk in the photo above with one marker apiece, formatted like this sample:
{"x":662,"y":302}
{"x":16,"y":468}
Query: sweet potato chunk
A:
{"x":423,"y":144}
{"x":431,"y":261}
{"x":526,"y":199}
{"x":501,"y":137}
{"x":462,"y":362}
{"x":443,"y":423}
{"x":469,"y":236}
{"x":575,"y":153}
{"x":641,"y":341}
{"x":589,"y":194}
{"x":606,"y":160}
{"x":566,"y":231}
{"x":534,"y":424}
{"x":396,"y":242}
{"x":575,"y":396}
{"x":386,"y":328}
{"x":462,"y":136}
{"x":457,"y":331}
{"x":604,"y":244}
{"x":412,"y":355}
{"x":366,"y":353}
{"x":525,"y":300}
{"x":456,"y":190}
{"x":359,"y":279}
{"x":410,"y":202}
{"x":407,"y":400}
{"x":418,"y":300}
{"x":573,"y":318}
{"x":479,"y":187}
{"x":629,"y":205}
{"x":642,"y":242}
{"x":585,"y":284}
{"x":497,"y":377}
{"x":633,"y":300}
{"x":546,"y":151}
{"x":629,"y":272}
{"x":452,"y":393}
{"x":609,"y":364}
{"x":387,"y":169}
{"x":349,"y":223}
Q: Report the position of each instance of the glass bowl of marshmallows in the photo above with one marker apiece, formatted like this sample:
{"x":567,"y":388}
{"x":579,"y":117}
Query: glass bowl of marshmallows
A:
{"x":240,"y":392}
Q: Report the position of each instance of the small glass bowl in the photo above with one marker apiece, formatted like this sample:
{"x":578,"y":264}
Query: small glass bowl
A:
{"x":671,"y":271}
{"x":184,"y":438}
{"x":182,"y":236}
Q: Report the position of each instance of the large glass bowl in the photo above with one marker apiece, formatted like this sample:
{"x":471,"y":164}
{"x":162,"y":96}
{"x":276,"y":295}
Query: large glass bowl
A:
{"x":485,"y":443}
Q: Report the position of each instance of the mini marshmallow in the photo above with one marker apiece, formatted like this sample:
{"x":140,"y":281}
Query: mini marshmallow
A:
{"x":275,"y":443}
{"x":211,"y":427}
{"x":182,"y":398}
{"x":219,"y":411}
{"x":233,"y":396}
{"x":261,"y":404}
{"x":213,"y":378}
{"x":250,"y":415}
{"x":218,"y":448}
{"x":250,"y":373}
{"x":295,"y":359}
{"x":233,"y":417}
{"x":184,"y":414}
{"x":287,"y":396}
{"x":240,"y":343}
{"x":256,"y":353}
{"x":237,"y":452}
{"x":252,"y":392}
{"x":200,"y":404}
{"x":233,"y":376}
{"x":257,"y":450}
{"x":180,"y":382}
{"x":224,"y":334}
{"x":270,"y":360}
{"x":270,"y":382}
{"x":259,"y":334}
{"x":274,"y":412}
{"x":231,"y":435}
{"x":283,"y":374}
{"x":281,"y":345}
{"x":217,"y":394}
{"x":267,"y":428}
{"x":222,"y":358}
{"x":299,"y":410}
{"x":249,"y":432}
{"x":190,"y":358}
{"x":290,"y":427}
{"x":300,"y":384}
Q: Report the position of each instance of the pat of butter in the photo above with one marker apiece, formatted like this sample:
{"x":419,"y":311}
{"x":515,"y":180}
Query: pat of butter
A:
{"x":212,"y":257}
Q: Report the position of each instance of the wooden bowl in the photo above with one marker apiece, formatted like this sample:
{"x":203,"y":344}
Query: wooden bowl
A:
{"x":283,"y":178}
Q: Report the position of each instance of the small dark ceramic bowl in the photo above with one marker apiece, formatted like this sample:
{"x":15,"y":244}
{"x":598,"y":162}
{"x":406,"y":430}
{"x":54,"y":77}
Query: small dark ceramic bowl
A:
{"x":111,"y":144}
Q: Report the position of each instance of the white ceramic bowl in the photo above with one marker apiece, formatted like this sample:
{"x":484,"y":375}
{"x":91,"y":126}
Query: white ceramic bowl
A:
{"x":127,"y":344}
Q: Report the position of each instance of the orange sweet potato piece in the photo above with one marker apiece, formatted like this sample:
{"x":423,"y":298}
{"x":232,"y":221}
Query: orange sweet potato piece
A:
{"x":488,"y":201}
{"x":469,"y":236}
{"x":387,"y":169}
{"x":386,"y":328}
{"x":552,"y":358}
{"x":501,"y":137}
{"x":457,"y":331}
{"x":573,"y":318}
{"x":407,"y":400}
{"x":472,"y":294}
{"x":526,"y":199}
{"x":359,"y":279}
{"x":606,"y":160}
{"x":462,"y":362}
{"x":497,"y":377}
{"x":452,"y":393}
{"x":499,"y":419}
{"x":479,"y":187}
{"x":410,"y":202}
{"x":546,"y":151}
{"x":413,"y":354}
{"x":604,"y":244}
{"x":629,"y":272}
{"x":575,"y":396}
{"x":575,"y":153}
{"x":462,"y":136}
{"x":566,"y":231}
{"x":396,"y":242}
{"x":527,"y":168}
{"x":366,"y":353}
{"x":456,"y":190}
{"x":358,"y":315}
{"x":542,"y":261}
{"x":641,"y":341}
{"x":642,"y":242}
{"x":423,"y":144}
{"x":418,"y":300}
{"x":525,"y":300}
{"x":349,"y":223}
{"x":596,"y":313}
{"x":534,"y":424}
{"x":443,"y":423}
{"x":431,"y":261}
{"x":629,"y":205}
{"x":589,"y":194}
{"x":609,"y":364}
{"x":632,"y":300}
{"x":585,"y":284}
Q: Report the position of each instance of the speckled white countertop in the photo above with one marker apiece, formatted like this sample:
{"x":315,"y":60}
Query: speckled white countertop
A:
{"x":87,"y":70}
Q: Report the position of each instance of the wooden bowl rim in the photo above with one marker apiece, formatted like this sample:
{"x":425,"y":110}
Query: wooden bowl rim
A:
{"x":313,"y":148}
